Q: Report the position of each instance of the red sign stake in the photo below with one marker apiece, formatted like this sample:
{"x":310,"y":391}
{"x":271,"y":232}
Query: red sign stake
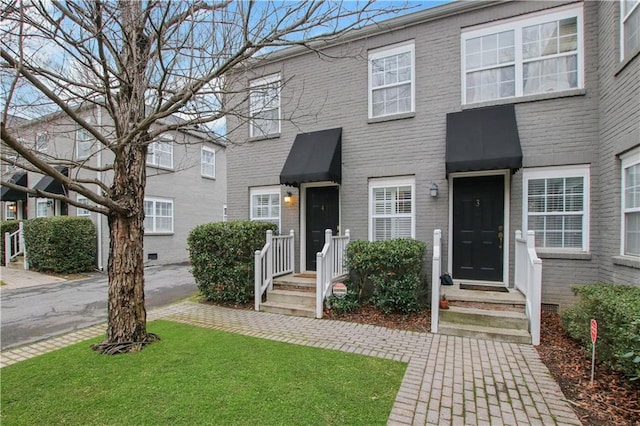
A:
{"x":594,"y":337}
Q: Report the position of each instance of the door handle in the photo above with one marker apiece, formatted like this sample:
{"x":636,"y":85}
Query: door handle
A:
{"x":500,"y":236}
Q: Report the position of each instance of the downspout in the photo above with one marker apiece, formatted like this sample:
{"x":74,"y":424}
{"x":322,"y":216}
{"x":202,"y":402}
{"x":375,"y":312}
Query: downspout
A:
{"x":99,"y":177}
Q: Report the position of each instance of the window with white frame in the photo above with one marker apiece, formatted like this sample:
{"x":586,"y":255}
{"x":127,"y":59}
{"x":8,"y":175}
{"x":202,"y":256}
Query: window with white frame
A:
{"x":556,"y":207}
{"x":540,"y":53}
{"x":264,"y":106}
{"x":10,"y":210}
{"x":265,"y":204}
{"x":42,"y":142}
{"x":158,"y":215}
{"x":391,"y":208}
{"x":630,"y":27}
{"x":79,"y":210}
{"x":160,"y":153}
{"x":392,"y":80}
{"x":42,"y":207}
{"x":84,"y":143}
{"x":225,"y":215}
{"x":631,"y":203}
{"x":208,"y":162}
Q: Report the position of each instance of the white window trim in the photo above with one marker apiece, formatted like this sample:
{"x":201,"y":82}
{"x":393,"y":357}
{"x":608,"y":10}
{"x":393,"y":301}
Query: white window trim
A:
{"x":583,"y":171}
{"x":80,"y":212}
{"x":202,"y":163}
{"x":259,"y":82}
{"x":376,"y":183}
{"x":83,"y":153}
{"x":396,"y":49}
{"x":38,"y":148}
{"x":517,"y":24}
{"x":624,"y":55}
{"x":224,"y":213}
{"x":8,"y":213}
{"x":629,"y":159}
{"x":43,"y":201}
{"x":155,"y":200}
{"x":154,"y":158}
{"x":265,"y":190}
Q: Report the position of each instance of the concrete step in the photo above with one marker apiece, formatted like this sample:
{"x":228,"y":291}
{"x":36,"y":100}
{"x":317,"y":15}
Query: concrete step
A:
{"x":293,"y":282}
{"x":16,"y":263}
{"x":513,"y":300}
{"x":292,"y":297}
{"x":484,"y":317}
{"x":287,"y":309}
{"x":487,"y":333}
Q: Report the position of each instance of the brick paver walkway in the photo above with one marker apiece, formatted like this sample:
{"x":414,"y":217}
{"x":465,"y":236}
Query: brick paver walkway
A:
{"x":449,"y":380}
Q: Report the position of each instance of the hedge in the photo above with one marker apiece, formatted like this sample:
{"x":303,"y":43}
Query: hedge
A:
{"x":391,"y":269}
{"x":9,"y":226}
{"x":222,"y":258}
{"x":616,"y":308}
{"x":61,"y":244}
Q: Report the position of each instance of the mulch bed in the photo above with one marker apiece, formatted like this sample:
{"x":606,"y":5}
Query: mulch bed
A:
{"x":612,"y":400}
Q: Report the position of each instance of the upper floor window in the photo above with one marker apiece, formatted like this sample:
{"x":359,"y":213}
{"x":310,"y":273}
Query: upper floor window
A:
{"x":158,"y":215}
{"x":630,"y":30}
{"x":42,"y":142}
{"x":392,"y":80}
{"x":160,"y":154}
{"x":391,"y":208}
{"x":541,"y":53}
{"x":208,"y":162}
{"x":43,"y":206}
{"x":84,"y":143}
{"x":264,"y":106}
{"x":556,"y":207}
{"x":265,"y":204}
{"x":631,"y":203}
{"x":80,"y":211}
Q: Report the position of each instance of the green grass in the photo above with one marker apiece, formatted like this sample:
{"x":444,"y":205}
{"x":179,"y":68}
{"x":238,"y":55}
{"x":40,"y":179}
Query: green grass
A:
{"x":200,"y":376}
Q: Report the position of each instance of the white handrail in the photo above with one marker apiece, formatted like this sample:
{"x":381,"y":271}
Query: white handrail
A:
{"x":330,"y":266}
{"x":528,"y":280}
{"x":276,"y":258}
{"x":436,"y":271}
{"x":15,"y":246}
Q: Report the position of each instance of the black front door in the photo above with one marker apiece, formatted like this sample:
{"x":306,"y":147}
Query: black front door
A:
{"x":322,"y":213}
{"x":478,"y":228}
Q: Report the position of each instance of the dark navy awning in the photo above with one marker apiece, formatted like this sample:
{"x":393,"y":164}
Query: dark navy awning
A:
{"x":49,"y":184}
{"x":11,"y":194}
{"x":314,"y":157}
{"x":483,"y":139}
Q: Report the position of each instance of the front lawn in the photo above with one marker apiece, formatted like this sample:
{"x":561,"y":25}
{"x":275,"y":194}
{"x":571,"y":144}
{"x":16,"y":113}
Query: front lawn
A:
{"x":200,"y":376}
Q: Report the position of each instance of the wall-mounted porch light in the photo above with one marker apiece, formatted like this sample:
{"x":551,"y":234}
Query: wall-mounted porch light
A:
{"x":287,"y":198}
{"x":433,"y":190}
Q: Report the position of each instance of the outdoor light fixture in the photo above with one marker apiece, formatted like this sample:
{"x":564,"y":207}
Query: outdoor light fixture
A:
{"x":287,"y":198}
{"x":433,"y":190}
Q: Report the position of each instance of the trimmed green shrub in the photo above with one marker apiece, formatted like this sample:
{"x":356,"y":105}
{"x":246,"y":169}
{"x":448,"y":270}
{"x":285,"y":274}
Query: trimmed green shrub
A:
{"x":61,"y":244}
{"x":391,"y":269}
{"x":222,"y":258}
{"x":616,"y":308}
{"x":9,"y":226}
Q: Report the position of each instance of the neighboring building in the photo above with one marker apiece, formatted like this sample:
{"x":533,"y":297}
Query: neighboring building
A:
{"x":186,"y":182}
{"x":523,"y":115}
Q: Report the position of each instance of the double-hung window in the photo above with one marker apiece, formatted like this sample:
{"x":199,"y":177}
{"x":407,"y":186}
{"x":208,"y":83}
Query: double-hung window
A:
{"x":10,"y":211}
{"x":160,"y":154}
{"x":391,"y":208}
{"x":42,"y":142}
{"x":79,"y":210}
{"x":264,"y":106}
{"x":84,"y":143}
{"x":631,"y":203}
{"x":265,"y":204}
{"x":556,"y":207}
{"x":392,"y":80}
{"x":42,"y":207}
{"x":158,"y":216}
{"x":630,"y":28}
{"x":541,"y":53}
{"x":208,"y":162}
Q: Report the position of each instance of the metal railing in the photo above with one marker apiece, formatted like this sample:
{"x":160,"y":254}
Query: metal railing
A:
{"x":14,"y":246}
{"x":330,"y":266}
{"x":436,"y":271}
{"x":276,"y":258}
{"x":528,"y":280}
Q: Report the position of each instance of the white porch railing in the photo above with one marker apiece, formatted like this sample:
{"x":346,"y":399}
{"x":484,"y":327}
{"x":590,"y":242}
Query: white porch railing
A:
{"x":14,"y":246}
{"x":436,"y":271}
{"x":329,"y":266}
{"x":528,"y":279}
{"x":276,"y":258}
